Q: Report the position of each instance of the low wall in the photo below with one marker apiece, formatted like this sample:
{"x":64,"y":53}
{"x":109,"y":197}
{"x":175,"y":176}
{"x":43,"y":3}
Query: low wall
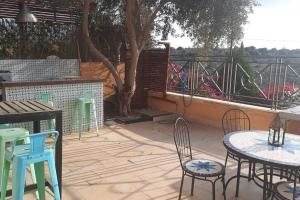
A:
{"x":210,"y":111}
{"x":100,"y":71}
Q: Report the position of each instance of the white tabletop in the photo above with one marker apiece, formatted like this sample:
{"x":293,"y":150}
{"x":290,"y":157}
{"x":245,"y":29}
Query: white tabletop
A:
{"x":254,"y":145}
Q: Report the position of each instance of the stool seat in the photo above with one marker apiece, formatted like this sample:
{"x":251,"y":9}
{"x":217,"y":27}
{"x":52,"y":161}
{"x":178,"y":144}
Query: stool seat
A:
{"x":13,"y":133}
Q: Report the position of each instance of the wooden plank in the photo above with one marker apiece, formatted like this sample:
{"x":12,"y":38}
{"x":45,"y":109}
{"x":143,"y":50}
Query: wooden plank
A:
{"x":40,"y":106}
{"x":32,"y":106}
{"x":3,"y":111}
{"x":7,"y":108}
{"x":24,"y":107}
{"x":45,"y":105}
{"x":14,"y":106}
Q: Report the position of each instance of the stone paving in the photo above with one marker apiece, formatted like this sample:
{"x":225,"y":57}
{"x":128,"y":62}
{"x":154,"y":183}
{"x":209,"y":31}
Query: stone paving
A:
{"x":139,"y":162}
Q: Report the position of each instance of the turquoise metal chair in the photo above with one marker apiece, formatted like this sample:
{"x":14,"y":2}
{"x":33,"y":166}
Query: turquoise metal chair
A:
{"x":36,"y":152}
{"x":83,"y":107}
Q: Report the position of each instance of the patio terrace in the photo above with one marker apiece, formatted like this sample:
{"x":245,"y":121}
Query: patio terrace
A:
{"x":139,"y":161}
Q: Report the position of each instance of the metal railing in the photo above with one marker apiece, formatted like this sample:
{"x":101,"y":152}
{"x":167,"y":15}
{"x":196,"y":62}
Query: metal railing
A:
{"x":274,"y":84}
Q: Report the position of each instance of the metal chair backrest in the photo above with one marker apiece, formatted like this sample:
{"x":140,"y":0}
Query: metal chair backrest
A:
{"x":37,"y":142}
{"x":235,"y":120}
{"x":182,"y":140}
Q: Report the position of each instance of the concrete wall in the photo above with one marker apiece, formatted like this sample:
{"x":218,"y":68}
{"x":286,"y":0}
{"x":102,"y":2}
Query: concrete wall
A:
{"x":100,"y":71}
{"x":210,"y":111}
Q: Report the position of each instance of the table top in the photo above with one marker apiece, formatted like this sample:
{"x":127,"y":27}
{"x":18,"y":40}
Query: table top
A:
{"x":254,"y":146}
{"x":23,"y":107}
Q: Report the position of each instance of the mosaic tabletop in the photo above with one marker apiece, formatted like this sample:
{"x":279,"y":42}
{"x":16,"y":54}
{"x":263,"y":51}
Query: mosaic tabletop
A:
{"x":254,"y":145}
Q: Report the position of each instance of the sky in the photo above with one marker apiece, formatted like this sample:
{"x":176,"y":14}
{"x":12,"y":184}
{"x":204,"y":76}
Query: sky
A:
{"x":274,"y":24}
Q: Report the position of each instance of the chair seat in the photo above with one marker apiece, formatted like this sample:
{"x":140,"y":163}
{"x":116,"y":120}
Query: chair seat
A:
{"x":85,"y":100}
{"x":204,"y":168}
{"x":285,"y":190}
{"x":13,"y":133}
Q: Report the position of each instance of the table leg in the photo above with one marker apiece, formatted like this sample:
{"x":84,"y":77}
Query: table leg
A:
{"x":58,"y":150}
{"x":37,"y":126}
{"x":265,"y":183}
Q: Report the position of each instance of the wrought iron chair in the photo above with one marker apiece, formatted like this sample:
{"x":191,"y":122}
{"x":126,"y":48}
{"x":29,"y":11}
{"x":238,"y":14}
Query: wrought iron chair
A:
{"x":287,"y":190}
{"x":205,"y":170}
{"x":236,"y":120}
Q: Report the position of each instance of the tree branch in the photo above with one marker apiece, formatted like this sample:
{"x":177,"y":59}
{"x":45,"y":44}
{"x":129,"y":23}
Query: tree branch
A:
{"x":146,"y":31}
{"x":92,"y":49}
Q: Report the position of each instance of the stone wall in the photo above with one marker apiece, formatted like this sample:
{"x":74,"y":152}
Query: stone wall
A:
{"x":210,"y":111}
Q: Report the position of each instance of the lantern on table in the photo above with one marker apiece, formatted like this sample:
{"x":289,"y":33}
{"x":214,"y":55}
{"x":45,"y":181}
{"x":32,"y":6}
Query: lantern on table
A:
{"x":276,"y":132}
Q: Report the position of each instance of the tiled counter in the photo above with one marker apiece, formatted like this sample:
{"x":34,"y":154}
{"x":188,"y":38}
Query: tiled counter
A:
{"x":62,"y":93}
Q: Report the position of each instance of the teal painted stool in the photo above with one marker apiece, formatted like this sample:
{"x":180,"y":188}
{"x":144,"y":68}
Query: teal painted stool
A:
{"x":83,"y":107}
{"x":36,"y":152}
{"x":45,"y":98}
{"x":8,"y":135}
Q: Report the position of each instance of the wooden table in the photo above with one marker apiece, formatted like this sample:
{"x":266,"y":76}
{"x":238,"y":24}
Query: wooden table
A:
{"x":34,"y":111}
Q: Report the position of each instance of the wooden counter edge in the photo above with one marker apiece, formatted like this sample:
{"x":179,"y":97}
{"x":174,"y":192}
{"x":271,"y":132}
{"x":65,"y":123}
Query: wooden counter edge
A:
{"x":49,"y":82}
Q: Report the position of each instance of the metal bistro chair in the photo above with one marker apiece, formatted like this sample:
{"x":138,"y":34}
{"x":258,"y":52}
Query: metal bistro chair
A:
{"x":287,"y":190}
{"x":205,"y":170}
{"x":236,"y":120}
{"x":36,"y":152}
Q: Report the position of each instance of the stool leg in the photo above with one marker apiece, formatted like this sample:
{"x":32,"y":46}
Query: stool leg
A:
{"x":53,"y":175}
{"x":2,"y":160}
{"x":74,"y":118}
{"x":95,"y":117}
{"x":40,"y":176}
{"x":80,"y":115}
{"x":88,"y":115}
{"x":5,"y":180}
{"x":19,"y":169}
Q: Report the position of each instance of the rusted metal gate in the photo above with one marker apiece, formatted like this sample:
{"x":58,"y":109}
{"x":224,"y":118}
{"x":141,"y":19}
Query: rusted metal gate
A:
{"x":151,"y":74}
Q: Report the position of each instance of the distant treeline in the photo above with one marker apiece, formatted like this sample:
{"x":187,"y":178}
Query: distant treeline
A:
{"x":254,"y":54}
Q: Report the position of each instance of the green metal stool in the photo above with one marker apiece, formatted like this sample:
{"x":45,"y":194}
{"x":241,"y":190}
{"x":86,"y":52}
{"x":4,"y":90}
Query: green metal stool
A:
{"x":83,"y":107}
{"x":4,"y":126}
{"x":45,"y":98}
{"x":36,"y":152}
{"x":8,"y":135}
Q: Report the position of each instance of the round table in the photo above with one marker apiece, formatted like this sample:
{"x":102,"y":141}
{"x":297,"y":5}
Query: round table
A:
{"x":253,"y":146}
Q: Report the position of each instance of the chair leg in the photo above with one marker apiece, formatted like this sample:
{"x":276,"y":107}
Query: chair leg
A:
{"x":224,"y":187}
{"x":213,"y":190}
{"x":5,"y":180}
{"x":19,"y":171}
{"x":238,"y":178}
{"x":193,"y":183}
{"x":250,"y":169}
{"x":40,"y":176}
{"x":226,"y":159}
{"x":53,"y":175}
{"x":181,"y":185}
